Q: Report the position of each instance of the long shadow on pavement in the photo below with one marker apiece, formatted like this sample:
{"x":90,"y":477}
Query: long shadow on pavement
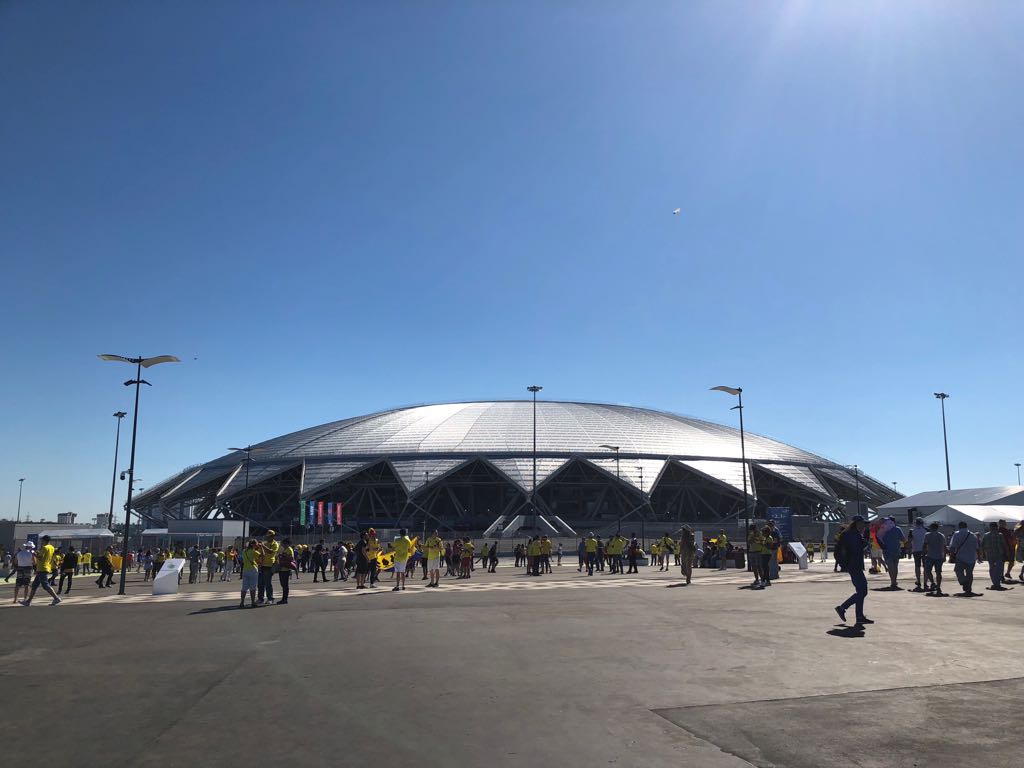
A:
{"x":854,"y":631}
{"x":215,"y":609}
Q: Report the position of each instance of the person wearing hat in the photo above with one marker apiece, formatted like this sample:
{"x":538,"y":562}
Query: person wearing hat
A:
{"x":268,"y":549}
{"x":853,"y":544}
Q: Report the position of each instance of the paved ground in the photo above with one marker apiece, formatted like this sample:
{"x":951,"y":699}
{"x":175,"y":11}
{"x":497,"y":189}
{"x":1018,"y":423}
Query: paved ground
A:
{"x":510,"y":670}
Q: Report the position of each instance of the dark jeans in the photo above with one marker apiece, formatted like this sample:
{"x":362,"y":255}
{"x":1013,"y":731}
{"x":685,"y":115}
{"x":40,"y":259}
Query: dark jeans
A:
{"x":266,"y":583}
{"x":64,"y":575}
{"x":591,"y":562}
{"x":964,"y":574}
{"x":632,"y":564}
{"x":108,"y":574}
{"x":766,"y":562}
{"x":995,"y":572}
{"x":860,"y":586}
{"x":284,"y":577}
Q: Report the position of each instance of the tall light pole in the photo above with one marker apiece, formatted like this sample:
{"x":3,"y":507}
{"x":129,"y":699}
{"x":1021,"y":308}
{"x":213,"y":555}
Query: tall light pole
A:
{"x":113,"y":480}
{"x":942,"y":397}
{"x":21,"y":483}
{"x":139,"y":363}
{"x":1017,"y":465}
{"x":533,"y":489}
{"x":738,"y":392}
{"x":894,"y":486}
{"x":643,"y":517}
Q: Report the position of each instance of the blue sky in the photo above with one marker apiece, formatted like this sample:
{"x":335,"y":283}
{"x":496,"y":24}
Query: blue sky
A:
{"x":327,"y":209}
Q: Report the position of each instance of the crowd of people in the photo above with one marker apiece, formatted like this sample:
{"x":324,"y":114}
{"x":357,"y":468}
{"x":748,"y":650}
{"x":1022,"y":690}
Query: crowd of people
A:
{"x":885,"y":544}
{"x":257,"y":561}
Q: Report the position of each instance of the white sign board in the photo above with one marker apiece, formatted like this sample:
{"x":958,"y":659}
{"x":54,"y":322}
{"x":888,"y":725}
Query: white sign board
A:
{"x":801,"y":553}
{"x":166,"y":581}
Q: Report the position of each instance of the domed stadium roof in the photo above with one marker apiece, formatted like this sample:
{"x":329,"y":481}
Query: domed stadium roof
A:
{"x":425,"y":442}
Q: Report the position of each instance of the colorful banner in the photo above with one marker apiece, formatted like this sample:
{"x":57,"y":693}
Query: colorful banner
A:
{"x":311,"y":508}
{"x":319,"y":513}
{"x":302,"y":512}
{"x":337,"y":512}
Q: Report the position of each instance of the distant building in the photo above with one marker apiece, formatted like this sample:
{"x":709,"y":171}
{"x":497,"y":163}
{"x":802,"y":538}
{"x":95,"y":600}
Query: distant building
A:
{"x":67,"y":518}
{"x":921,"y":505}
{"x":103,"y":520}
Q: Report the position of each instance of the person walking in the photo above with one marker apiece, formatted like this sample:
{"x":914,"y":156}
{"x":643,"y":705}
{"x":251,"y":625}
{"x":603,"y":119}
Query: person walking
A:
{"x":756,"y":551}
{"x":581,"y":553}
{"x":853,"y":543}
{"x":492,"y":558}
{"x":147,"y":565}
{"x":996,"y":553}
{"x":1018,"y":539}
{"x":23,"y":561}
{"x":633,"y":553}
{"x":106,"y":569}
{"x":891,"y":539}
{"x":687,"y":550}
{"x":212,"y":562}
{"x":194,"y":559}
{"x":466,"y":558}
{"x":558,"y":557}
{"x":68,"y":567}
{"x":964,"y":546}
{"x":1007,"y":535}
{"x":545,"y":554}
{"x":373,"y":549}
{"x":251,"y":559}
{"x":319,"y":563}
{"x":44,"y":568}
{"x":591,"y":549}
{"x":917,"y":538}
{"x":934,"y":557}
{"x":285,"y":567}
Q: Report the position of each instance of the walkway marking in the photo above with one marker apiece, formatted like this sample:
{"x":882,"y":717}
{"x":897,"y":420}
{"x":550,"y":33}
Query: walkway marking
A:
{"x":347,"y":589}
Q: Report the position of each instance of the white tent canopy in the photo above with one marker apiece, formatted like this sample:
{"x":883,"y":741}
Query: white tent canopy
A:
{"x":975,"y":514}
{"x":77,"y":533}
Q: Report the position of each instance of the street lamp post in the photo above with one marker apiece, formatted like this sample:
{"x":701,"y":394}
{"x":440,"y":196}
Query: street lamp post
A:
{"x":533,"y":488}
{"x":942,"y":397}
{"x":1017,"y":465}
{"x":113,"y":480}
{"x":139,"y":363}
{"x":894,"y":486}
{"x":21,"y":483}
{"x":643,"y":517}
{"x":738,"y":392}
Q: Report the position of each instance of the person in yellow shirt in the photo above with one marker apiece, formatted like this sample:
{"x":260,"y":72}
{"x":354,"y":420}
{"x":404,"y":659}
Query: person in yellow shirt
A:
{"x":723,"y":551}
{"x":268,"y":550}
{"x":533,"y":556}
{"x":435,"y":554}
{"x":403,"y":548}
{"x":545,"y":554}
{"x":591,"y":548}
{"x":44,"y":567}
{"x":250,"y":572}
{"x":87,"y":562}
{"x":755,"y":549}
{"x":467,"y":558}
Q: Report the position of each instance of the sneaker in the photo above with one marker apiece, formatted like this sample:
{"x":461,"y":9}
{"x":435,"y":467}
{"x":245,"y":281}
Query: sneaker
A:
{"x":271,"y":601}
{"x":841,"y":612}
{"x":242,"y":604}
{"x":26,"y":603}
{"x":864,"y":620}
{"x":283,"y":602}
{"x":261,"y":602}
{"x":403,"y":589}
{"x":56,"y":601}
{"x":395,"y":589}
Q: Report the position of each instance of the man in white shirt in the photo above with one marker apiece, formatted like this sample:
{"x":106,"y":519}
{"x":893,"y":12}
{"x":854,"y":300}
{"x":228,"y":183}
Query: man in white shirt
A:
{"x":964,"y":545}
{"x":917,"y":534}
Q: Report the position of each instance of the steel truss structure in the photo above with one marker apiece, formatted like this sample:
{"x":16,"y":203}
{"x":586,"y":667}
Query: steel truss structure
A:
{"x":440,"y":484}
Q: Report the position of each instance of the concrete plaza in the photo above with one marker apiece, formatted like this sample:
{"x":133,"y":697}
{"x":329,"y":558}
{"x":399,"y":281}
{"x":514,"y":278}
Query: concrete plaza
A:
{"x":510,"y":670}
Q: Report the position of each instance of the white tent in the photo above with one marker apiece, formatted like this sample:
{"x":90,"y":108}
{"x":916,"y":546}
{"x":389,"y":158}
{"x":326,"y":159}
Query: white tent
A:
{"x":975,"y":515}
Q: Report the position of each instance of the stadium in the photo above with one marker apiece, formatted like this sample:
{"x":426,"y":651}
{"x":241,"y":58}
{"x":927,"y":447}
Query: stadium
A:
{"x":472,"y":466}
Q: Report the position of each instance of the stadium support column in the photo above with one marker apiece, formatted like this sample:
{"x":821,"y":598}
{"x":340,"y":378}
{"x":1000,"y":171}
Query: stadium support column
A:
{"x":533,"y":488}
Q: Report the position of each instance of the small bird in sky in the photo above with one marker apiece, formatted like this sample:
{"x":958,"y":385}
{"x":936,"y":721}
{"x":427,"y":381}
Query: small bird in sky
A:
{"x":677,"y":211}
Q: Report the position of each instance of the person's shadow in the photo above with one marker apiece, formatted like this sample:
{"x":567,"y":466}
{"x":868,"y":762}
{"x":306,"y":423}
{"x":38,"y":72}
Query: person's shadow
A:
{"x":857,"y":630}
{"x":215,"y":609}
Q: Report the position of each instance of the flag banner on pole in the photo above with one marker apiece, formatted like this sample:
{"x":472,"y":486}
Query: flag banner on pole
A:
{"x":311,"y":508}
{"x":330,"y":512}
{"x":302,"y":512}
{"x":319,"y":513}
{"x":337,"y":511}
